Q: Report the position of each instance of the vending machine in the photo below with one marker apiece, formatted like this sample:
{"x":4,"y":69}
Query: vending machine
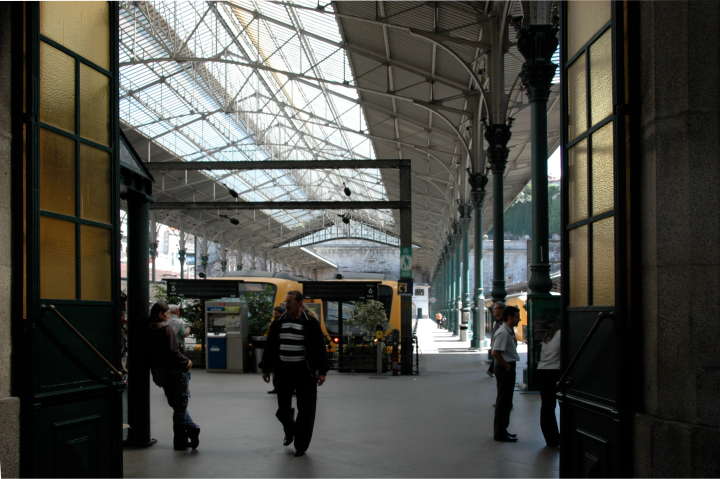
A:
{"x":226,"y":333}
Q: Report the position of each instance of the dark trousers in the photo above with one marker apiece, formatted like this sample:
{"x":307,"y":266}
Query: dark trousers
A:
{"x":299,"y":380}
{"x":176,"y":385}
{"x":548,"y":379}
{"x":503,"y":403}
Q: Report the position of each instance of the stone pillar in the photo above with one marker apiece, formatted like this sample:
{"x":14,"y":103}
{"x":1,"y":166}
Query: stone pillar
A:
{"x":9,"y":405}
{"x":537,"y":43}
{"x":498,"y":135}
{"x":465,"y":290}
{"x":478,"y":181}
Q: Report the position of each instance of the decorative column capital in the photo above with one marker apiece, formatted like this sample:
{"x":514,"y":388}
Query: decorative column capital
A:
{"x":153,"y":249}
{"x":478,"y":182}
{"x":181,"y":255}
{"x":498,"y":135}
{"x":465,"y":211}
{"x":537,"y":43}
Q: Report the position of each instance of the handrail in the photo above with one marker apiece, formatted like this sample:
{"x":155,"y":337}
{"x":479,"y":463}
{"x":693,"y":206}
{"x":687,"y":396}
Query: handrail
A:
{"x":563,"y":377}
{"x":120,"y":373}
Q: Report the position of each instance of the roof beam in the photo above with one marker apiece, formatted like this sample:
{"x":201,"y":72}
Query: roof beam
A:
{"x":279,"y":205}
{"x":277,"y":164}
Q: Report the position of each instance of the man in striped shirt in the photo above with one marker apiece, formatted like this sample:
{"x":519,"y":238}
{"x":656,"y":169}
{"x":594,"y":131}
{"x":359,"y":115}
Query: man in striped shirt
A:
{"x":296,"y":355}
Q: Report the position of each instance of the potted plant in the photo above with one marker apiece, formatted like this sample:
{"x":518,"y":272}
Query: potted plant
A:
{"x":370,"y":320}
{"x":260,"y":308}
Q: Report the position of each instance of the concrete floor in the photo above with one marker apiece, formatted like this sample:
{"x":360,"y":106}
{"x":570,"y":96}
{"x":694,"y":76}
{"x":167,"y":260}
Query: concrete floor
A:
{"x":437,"y":424}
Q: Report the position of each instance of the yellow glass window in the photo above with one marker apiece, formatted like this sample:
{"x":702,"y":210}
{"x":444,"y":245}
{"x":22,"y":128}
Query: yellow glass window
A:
{"x":57,"y":88}
{"x":578,"y":268}
{"x":601,"y":88}
{"x":94,"y":184}
{"x":584,"y":19}
{"x":57,"y":173}
{"x":604,"y":262}
{"x":577,"y":184}
{"x":94,"y":105}
{"x":57,"y":259}
{"x":577,"y":98}
{"x":83,"y":27}
{"x":95,"y":272}
{"x":603,"y":177}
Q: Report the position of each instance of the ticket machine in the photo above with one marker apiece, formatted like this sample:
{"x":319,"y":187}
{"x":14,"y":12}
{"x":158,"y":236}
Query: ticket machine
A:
{"x":226,"y":333}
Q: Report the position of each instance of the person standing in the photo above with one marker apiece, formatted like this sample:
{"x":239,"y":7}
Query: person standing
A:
{"x":296,"y":356}
{"x":497,"y":311}
{"x":171,"y":371}
{"x":506,"y":357}
{"x":548,"y":371}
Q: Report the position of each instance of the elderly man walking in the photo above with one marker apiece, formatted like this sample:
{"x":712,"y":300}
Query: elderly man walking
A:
{"x":297,"y":357}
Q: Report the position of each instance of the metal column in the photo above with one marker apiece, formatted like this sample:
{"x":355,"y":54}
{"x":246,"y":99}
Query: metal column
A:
{"x":537,"y":43}
{"x":478,"y":181}
{"x":138,"y":299}
{"x":465,"y":290}
{"x":498,"y":135}
{"x":406,"y":351}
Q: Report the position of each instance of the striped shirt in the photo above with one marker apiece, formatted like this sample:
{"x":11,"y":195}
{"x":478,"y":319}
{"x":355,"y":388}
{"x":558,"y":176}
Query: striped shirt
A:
{"x":292,"y":341}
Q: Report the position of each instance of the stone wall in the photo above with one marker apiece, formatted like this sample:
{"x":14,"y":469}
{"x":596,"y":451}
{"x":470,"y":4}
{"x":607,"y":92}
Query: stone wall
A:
{"x":677,"y":431}
{"x":9,"y":406}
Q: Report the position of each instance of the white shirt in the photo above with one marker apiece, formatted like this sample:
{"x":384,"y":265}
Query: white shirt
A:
{"x":550,"y":353}
{"x":505,"y":342}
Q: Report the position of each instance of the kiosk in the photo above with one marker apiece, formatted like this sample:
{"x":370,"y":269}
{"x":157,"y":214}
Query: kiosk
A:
{"x":226,"y":332}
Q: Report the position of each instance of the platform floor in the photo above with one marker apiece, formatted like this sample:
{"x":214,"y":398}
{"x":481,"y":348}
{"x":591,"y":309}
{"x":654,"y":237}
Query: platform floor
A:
{"x":437,"y":424}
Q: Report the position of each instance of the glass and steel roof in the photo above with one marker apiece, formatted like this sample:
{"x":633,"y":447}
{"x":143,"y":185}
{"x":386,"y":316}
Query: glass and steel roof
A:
{"x":248,"y":81}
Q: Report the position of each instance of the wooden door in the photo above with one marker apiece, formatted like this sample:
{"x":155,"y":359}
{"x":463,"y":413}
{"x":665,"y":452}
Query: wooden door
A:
{"x":71,"y":399}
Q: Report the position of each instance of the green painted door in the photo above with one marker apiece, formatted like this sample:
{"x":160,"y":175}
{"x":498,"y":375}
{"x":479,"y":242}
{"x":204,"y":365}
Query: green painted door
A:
{"x":595,"y":399}
{"x":71,"y":408}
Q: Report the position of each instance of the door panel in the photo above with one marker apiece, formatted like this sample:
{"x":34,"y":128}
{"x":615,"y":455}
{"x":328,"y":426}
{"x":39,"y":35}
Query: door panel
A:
{"x":595,"y":425}
{"x":71,"y":410}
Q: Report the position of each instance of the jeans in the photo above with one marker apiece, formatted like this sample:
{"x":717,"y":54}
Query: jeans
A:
{"x":300,"y":380}
{"x":504,"y":402}
{"x":176,"y":385}
{"x":548,"y":379}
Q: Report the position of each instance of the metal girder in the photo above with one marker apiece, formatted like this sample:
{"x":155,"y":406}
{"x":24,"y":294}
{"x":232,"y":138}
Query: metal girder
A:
{"x":280,"y":205}
{"x":276,"y":164}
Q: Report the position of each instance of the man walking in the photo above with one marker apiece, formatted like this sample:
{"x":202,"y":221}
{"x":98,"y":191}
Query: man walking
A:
{"x":506,"y":356}
{"x":297,"y":357}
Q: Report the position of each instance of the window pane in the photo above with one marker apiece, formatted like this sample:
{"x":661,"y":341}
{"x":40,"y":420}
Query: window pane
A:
{"x":96,"y":276}
{"x":94,"y":106}
{"x":604,"y":262}
{"x":577,"y":98}
{"x":603,"y":185}
{"x":584,"y":19}
{"x":601,"y":86}
{"x":57,"y":88}
{"x":94,"y":184}
{"x":83,"y":27}
{"x":57,"y":173}
{"x":578,"y":269}
{"x":577,"y":182}
{"x":57,"y":259}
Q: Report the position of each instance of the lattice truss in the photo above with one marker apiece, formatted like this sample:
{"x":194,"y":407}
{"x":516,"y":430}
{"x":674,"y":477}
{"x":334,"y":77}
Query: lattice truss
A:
{"x":218,"y":81}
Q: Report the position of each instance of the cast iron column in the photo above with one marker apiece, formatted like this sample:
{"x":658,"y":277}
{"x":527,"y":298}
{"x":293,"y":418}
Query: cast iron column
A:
{"x":478,"y":181}
{"x":497,"y":136}
{"x":465,"y":290}
{"x":406,"y":336}
{"x":537,"y":43}
{"x":457,"y":299}
{"x":138,"y":299}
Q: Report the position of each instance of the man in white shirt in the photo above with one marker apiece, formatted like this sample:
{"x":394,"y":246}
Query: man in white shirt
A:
{"x":506,"y":356}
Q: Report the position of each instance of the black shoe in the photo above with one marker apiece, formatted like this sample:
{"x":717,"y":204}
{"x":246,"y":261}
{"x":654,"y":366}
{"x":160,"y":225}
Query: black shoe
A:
{"x":510,"y":434}
{"x":180,"y":438}
{"x":299,"y":453}
{"x":272,"y":392}
{"x":288,"y":440}
{"x":505,"y":439}
{"x":193,"y":434}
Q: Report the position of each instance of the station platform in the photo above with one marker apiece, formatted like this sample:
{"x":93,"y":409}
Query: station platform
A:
{"x":436,"y":424}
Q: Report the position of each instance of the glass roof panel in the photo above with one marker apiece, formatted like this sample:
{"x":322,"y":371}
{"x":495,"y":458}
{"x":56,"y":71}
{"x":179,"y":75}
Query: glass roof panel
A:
{"x":247,"y":80}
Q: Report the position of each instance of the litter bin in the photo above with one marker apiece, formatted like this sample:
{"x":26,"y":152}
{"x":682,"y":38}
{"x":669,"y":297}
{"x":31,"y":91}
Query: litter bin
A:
{"x":216,"y":352}
{"x":259,"y":343}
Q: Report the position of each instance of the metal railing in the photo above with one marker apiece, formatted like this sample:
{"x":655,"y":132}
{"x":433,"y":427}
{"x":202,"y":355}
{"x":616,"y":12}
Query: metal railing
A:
{"x":564,"y":381}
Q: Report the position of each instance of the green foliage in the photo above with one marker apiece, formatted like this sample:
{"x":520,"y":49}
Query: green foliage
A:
{"x":260,"y":309}
{"x":368,"y":317}
{"x":518,"y":217}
